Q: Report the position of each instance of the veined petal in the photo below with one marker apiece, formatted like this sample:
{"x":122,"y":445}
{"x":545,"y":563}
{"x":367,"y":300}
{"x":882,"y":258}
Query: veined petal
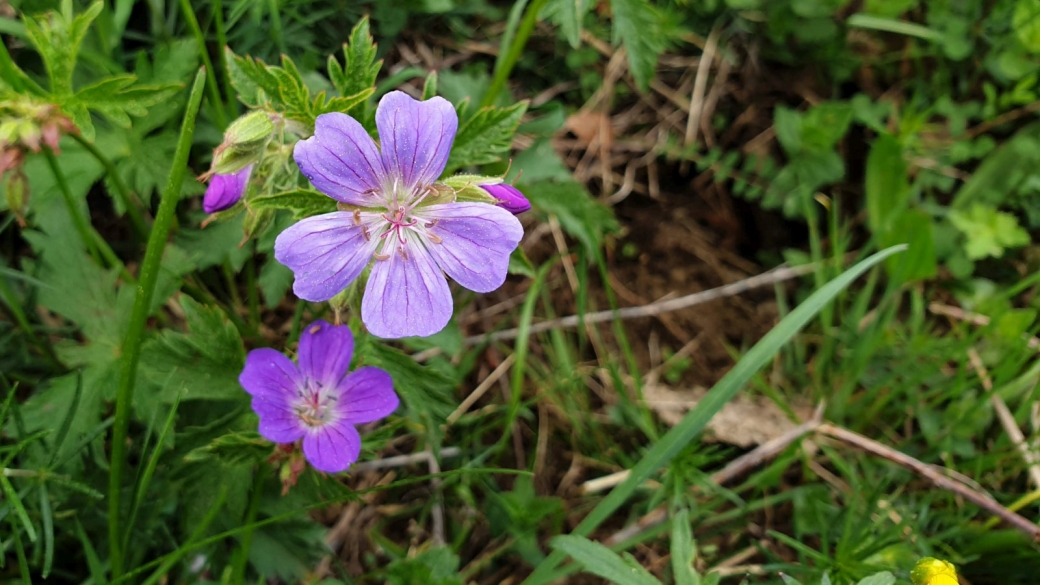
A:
{"x":341,"y":160}
{"x":415,"y":137}
{"x":278,"y":422}
{"x":406,"y":296}
{"x":367,"y":395}
{"x":325,"y":352}
{"x":476,"y":241}
{"x":325,"y":252}
{"x":333,"y":447}
{"x":269,"y":373}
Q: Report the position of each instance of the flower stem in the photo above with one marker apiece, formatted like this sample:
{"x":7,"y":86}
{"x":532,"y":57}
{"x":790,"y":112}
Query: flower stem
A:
{"x":225,"y":78}
{"x":211,"y":81}
{"x":126,"y":198}
{"x":139,"y":315}
{"x":505,"y":66}
{"x":252,"y":293}
{"x":95,"y":245}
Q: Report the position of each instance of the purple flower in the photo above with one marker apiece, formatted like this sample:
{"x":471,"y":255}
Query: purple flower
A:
{"x":509,"y":197}
{"x":398,"y":215}
{"x":317,"y":400}
{"x":225,"y":190}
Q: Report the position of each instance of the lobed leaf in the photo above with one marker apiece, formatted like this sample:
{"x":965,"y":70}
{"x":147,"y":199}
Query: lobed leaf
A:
{"x":635,"y":27}
{"x":485,"y":137}
{"x":301,"y":202}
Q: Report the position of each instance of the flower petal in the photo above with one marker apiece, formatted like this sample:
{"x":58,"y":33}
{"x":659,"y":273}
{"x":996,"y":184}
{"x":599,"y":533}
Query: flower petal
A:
{"x":476,"y":241}
{"x":333,"y":447}
{"x":325,"y":352}
{"x":367,"y":395}
{"x":325,"y":252}
{"x":415,"y":137}
{"x":406,"y":296}
{"x":509,"y":197}
{"x":341,"y":160}
{"x":269,"y":373}
{"x":225,"y":190}
{"x":278,"y":421}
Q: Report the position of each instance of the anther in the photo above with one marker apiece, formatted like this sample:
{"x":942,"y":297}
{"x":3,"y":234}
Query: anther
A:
{"x":379,"y":256}
{"x":434,"y":238}
{"x":357,"y":217}
{"x":365,"y":234}
{"x":430,"y":224}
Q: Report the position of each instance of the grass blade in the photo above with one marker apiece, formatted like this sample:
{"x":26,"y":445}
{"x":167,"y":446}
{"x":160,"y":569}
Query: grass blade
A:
{"x":23,"y":563}
{"x":48,"y":530}
{"x":63,"y":431}
{"x":19,"y":509}
{"x":725,"y":390}
{"x":97,"y":570}
{"x":149,"y":470}
{"x":135,"y":332}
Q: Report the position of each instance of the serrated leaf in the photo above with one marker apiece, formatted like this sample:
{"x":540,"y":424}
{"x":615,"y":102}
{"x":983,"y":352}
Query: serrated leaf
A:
{"x":635,"y":26}
{"x":301,"y":202}
{"x":116,"y":98}
{"x":58,"y":43}
{"x":360,"y":67}
{"x":250,"y":77}
{"x":485,"y":137}
{"x":568,"y":14}
{"x":233,"y":448}
{"x":601,"y":561}
{"x":435,"y":566}
{"x":203,"y":363}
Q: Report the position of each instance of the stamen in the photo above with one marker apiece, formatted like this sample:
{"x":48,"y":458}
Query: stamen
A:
{"x":434,"y":238}
{"x":379,"y":256}
{"x":430,"y":224}
{"x":365,"y":234}
{"x":357,"y":217}
{"x":403,"y":251}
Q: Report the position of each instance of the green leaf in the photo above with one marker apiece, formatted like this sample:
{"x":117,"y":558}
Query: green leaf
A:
{"x":274,"y":280}
{"x":301,"y":202}
{"x":1003,"y":169}
{"x":882,"y":578}
{"x":580,"y":215}
{"x":12,"y":498}
{"x":251,"y":78}
{"x":425,"y":391}
{"x":116,"y":98}
{"x":676,"y":439}
{"x":1026,"y":24}
{"x":49,"y":409}
{"x":435,"y":566}
{"x":485,"y":137}
{"x":636,"y":27}
{"x":58,"y":43}
{"x":203,"y":363}
{"x":601,"y":561}
{"x":568,"y":14}
{"x":788,"y":126}
{"x":914,"y":228}
{"x":360,"y":67}
{"x":989,"y":232}
{"x":824,"y":124}
{"x":886,"y":183}
{"x":233,"y":448}
{"x":684,"y":550}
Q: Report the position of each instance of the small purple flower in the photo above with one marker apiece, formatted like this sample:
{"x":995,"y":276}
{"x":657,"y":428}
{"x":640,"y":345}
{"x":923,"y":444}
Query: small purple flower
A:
{"x":225,"y":190}
{"x":317,"y":400}
{"x":398,"y":215}
{"x":509,"y":197}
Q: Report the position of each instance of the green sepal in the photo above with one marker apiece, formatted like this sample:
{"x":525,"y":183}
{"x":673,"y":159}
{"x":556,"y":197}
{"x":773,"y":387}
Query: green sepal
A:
{"x":256,"y":221}
{"x":467,"y":187}
{"x":244,"y":143}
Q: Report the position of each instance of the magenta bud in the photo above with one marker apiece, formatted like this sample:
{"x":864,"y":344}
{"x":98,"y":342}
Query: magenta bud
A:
{"x":225,"y":190}
{"x":509,"y":197}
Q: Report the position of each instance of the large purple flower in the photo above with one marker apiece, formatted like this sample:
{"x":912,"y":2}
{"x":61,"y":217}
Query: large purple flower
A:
{"x":317,"y":400}
{"x":225,"y":190}
{"x":397,"y":215}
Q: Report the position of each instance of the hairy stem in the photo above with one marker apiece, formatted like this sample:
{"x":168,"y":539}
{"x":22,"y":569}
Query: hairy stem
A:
{"x":139,"y":315}
{"x":504,"y":67}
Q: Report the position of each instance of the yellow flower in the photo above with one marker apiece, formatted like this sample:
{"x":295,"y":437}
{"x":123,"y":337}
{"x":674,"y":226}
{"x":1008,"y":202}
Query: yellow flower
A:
{"x":929,"y":571}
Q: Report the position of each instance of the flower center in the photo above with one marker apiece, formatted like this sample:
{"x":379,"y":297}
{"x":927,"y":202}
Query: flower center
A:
{"x":314,"y":404}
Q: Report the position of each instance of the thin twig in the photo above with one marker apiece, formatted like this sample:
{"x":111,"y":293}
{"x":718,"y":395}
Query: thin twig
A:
{"x":1007,"y":420}
{"x":700,"y":86}
{"x":402,"y":460}
{"x":653,"y":309}
{"x":980,"y":499}
{"x":974,"y":318}
{"x":481,"y":389}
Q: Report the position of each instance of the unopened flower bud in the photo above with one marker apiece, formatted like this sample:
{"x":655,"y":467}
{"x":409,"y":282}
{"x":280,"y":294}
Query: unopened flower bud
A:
{"x":932,"y":571}
{"x":509,"y":197}
{"x":225,"y":190}
{"x":16,"y":192}
{"x":243,"y":144}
